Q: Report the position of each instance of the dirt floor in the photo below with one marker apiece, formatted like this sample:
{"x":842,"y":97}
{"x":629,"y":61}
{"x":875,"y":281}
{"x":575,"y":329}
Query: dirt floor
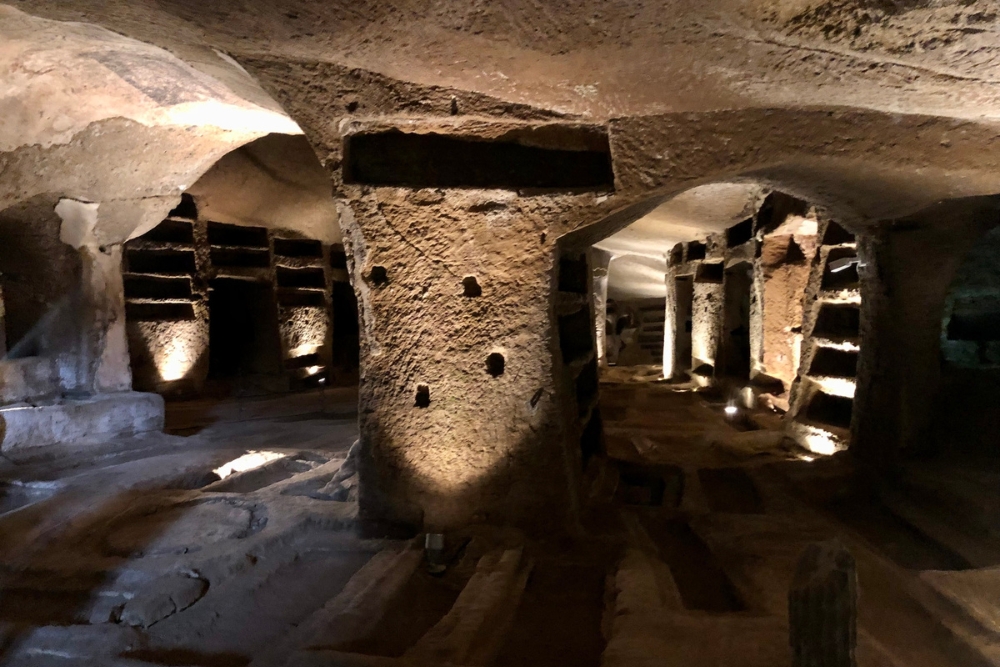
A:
{"x":138,"y":554}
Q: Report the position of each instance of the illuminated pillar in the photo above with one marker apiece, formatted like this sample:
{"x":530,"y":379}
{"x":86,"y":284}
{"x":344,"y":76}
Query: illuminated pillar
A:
{"x":670,"y":322}
{"x":464,"y":411}
{"x":104,"y":329}
{"x":94,"y":349}
{"x":599,"y":261}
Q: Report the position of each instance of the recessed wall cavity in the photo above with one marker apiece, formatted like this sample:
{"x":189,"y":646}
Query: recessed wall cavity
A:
{"x":696,"y":251}
{"x":495,"y":364}
{"x":224,"y":307}
{"x":471,"y":288}
{"x":573,"y":274}
{"x":575,"y":339}
{"x":739,"y":234}
{"x":736,"y":322}
{"x":378,"y":276}
{"x":423,"y":399}
{"x":550,"y":158}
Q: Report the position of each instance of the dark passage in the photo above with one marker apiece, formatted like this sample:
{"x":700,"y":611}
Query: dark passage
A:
{"x":559,"y":619}
{"x":437,"y":161}
{"x":702,"y":584}
{"x":684,"y":323}
{"x":736,"y":322}
{"x":243,"y":330}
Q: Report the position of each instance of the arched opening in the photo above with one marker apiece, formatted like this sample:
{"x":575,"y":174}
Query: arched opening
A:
{"x":970,"y":354}
{"x":735,"y":343}
{"x":758,"y":327}
{"x":242,"y":291}
{"x":596,"y":370}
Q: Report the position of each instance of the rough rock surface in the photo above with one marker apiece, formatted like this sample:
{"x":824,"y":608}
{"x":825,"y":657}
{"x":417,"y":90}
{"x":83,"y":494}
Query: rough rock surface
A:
{"x":164,"y":597}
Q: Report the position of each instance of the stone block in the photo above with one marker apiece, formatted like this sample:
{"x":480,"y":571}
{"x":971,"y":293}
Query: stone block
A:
{"x":26,"y":428}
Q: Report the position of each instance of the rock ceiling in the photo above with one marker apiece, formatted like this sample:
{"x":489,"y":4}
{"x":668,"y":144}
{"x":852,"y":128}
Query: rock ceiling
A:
{"x":600,"y":59}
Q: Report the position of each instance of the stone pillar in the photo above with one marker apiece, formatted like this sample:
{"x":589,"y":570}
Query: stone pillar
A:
{"x":823,"y":607}
{"x":93,"y":346}
{"x":707,"y":324}
{"x":782,"y":276}
{"x":599,"y":261}
{"x":670,"y":323}
{"x":906,"y":270}
{"x":461,"y":393}
{"x":104,"y":329}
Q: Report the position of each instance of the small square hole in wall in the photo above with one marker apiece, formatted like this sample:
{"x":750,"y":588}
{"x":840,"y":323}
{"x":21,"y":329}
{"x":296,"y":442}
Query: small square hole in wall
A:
{"x":470,"y":287}
{"x":423,"y":396}
{"x":710,"y":272}
{"x":739,"y":234}
{"x":696,"y":251}
{"x":495,"y":364}
{"x":378,"y":276}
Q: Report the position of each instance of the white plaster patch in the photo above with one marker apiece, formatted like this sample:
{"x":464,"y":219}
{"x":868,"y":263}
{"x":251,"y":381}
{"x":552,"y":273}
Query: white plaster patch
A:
{"x":78,"y":221}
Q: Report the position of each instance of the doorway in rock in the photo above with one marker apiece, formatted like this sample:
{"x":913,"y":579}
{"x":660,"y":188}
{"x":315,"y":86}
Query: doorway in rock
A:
{"x":969,"y":414}
{"x":346,"y":334}
{"x":738,"y":283}
{"x":244,"y":347}
{"x":683,"y":323}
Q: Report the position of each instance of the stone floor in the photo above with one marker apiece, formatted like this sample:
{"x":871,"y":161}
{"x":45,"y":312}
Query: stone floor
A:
{"x":136,"y":553}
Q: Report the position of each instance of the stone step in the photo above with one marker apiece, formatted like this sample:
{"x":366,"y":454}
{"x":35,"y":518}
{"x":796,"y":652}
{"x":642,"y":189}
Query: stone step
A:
{"x":29,"y":429}
{"x":469,"y":635}
{"x":965,"y":626}
{"x":977,"y":550}
{"x":350,"y":615}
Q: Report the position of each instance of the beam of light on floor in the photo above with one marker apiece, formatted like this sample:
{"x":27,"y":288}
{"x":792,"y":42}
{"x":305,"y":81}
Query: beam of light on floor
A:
{"x":248,"y":461}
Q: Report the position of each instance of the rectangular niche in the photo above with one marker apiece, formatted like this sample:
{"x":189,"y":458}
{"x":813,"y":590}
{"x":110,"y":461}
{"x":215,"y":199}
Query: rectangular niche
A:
{"x":592,"y":437}
{"x":830,"y":410}
{"x":838,"y":322}
{"x":739,"y":234}
{"x":241,"y":258}
{"x":307,"y":248}
{"x":301,"y":299}
{"x":220,"y":234}
{"x":150,"y":287}
{"x":830,"y":362}
{"x":314,"y":278}
{"x":304,"y":361}
{"x":171,"y":231}
{"x":696,"y":251}
{"x":974,"y":326}
{"x":159,"y":312}
{"x":587,"y":386}
{"x":573,"y":275}
{"x":575,"y":338}
{"x":338,"y":258}
{"x":710,"y":273}
{"x":846,"y":278}
{"x":546,"y":157}
{"x":161,"y":261}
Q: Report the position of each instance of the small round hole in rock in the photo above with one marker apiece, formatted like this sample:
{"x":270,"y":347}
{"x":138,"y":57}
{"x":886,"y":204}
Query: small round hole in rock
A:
{"x":495,"y":364}
{"x":471,"y":287}
{"x":423,"y":396}
{"x":378,"y":276}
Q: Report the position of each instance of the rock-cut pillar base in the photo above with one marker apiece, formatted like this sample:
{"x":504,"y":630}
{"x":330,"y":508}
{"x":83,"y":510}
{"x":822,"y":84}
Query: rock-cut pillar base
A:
{"x":823,"y":607}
